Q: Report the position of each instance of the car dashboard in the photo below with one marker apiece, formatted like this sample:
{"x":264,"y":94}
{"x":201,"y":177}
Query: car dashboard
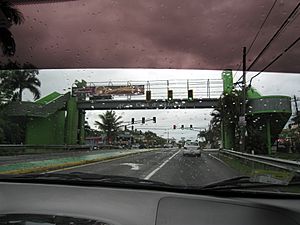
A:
{"x":119,"y":206}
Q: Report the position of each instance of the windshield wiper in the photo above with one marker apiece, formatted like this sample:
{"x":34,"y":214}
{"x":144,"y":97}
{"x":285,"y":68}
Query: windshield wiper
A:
{"x":242,"y":182}
{"x":79,"y":177}
{"x":228,"y":183}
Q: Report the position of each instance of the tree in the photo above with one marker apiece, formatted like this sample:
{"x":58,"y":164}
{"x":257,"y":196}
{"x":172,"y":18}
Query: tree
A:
{"x":227,"y":111}
{"x":90,"y":132}
{"x":296,"y":118}
{"x":110,"y":124}
{"x":13,"y":16}
{"x":12,"y":130}
{"x":152,"y":139}
{"x":15,"y":78}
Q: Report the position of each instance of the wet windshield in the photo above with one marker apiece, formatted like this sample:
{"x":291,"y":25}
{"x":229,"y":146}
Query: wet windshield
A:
{"x":122,"y":89}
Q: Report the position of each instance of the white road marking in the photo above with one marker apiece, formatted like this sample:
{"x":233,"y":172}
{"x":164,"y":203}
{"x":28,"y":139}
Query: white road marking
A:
{"x":134,"y":166}
{"x":216,"y":158}
{"x":86,"y":164}
{"x":158,"y":168}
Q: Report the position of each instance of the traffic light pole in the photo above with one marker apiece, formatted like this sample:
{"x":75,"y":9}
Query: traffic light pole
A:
{"x":243,"y":110}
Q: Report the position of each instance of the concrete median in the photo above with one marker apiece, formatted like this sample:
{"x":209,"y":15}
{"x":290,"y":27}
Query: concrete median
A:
{"x":64,"y":162}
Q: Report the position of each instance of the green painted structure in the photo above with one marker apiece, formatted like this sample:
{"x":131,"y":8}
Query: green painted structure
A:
{"x":49,"y":130}
{"x":227,"y":81}
{"x":227,"y":129}
{"x":46,"y":130}
{"x":52,"y":120}
{"x":71,"y":128}
{"x":266,"y":116}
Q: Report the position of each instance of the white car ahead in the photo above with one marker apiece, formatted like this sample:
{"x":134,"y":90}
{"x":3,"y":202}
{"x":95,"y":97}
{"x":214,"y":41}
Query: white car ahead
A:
{"x":192,"y":149}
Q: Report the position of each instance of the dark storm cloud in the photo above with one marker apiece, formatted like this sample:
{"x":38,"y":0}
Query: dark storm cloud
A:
{"x":157,"y":34}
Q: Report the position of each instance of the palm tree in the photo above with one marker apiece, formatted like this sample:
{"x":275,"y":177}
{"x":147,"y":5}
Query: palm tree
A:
{"x":227,"y":111}
{"x":20,"y":78}
{"x":13,"y":16}
{"x":296,"y":118}
{"x":110,"y":124}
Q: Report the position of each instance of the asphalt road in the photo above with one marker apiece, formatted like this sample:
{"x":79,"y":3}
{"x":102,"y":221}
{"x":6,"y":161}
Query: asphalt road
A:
{"x":166,"y":165}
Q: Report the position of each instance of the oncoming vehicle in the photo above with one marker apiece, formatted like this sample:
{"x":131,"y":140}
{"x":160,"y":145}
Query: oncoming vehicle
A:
{"x":191,"y":149}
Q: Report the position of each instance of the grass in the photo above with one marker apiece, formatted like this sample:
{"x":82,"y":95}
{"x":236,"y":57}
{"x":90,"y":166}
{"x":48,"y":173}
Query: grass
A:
{"x":248,"y":168}
{"x":288,"y":156}
{"x":243,"y":169}
{"x":252,"y":169}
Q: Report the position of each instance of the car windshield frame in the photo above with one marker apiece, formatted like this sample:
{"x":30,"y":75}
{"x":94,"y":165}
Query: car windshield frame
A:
{"x":133,"y":89}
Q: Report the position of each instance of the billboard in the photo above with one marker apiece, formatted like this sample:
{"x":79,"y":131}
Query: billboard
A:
{"x":120,"y":90}
{"x":83,"y":90}
{"x":99,"y":91}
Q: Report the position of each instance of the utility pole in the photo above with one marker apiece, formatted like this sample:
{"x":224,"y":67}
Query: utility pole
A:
{"x":242,"y":119}
{"x":296,"y":105}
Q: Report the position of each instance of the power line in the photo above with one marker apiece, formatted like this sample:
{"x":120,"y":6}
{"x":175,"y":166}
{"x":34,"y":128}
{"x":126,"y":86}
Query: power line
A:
{"x":283,"y":25}
{"x":275,"y":59}
{"x":261,"y":26}
{"x":295,"y":17}
{"x":237,"y":70}
{"x":255,"y":37}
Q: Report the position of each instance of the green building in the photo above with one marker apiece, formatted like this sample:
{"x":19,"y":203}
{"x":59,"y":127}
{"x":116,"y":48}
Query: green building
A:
{"x":266,"y":116}
{"x":52,"y":120}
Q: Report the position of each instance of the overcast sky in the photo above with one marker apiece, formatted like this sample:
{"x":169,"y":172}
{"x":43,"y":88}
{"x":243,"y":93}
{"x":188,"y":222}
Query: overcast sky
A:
{"x":62,"y":80}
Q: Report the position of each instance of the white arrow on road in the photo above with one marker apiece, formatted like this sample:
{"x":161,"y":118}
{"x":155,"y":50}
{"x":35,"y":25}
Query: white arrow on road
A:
{"x":134,"y":166}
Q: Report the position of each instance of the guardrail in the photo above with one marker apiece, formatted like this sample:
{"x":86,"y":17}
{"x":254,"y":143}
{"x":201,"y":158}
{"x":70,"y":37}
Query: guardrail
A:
{"x":289,"y":165}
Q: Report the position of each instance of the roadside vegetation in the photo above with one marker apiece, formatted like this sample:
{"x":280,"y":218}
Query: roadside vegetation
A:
{"x":14,"y":79}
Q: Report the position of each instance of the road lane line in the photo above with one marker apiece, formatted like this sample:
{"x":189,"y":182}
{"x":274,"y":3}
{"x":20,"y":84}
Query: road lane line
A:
{"x":158,"y":168}
{"x":216,"y":158}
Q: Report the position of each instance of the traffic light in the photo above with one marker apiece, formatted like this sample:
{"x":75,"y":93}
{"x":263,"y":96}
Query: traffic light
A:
{"x":191,"y":126}
{"x":143,"y":119}
{"x":148,"y":96}
{"x":182,"y":127}
{"x":190,"y":95}
{"x":132,"y":127}
{"x":154,"y":119}
{"x":174,"y":127}
{"x":132,"y":120}
{"x":170,"y":95}
{"x":125,"y":127}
